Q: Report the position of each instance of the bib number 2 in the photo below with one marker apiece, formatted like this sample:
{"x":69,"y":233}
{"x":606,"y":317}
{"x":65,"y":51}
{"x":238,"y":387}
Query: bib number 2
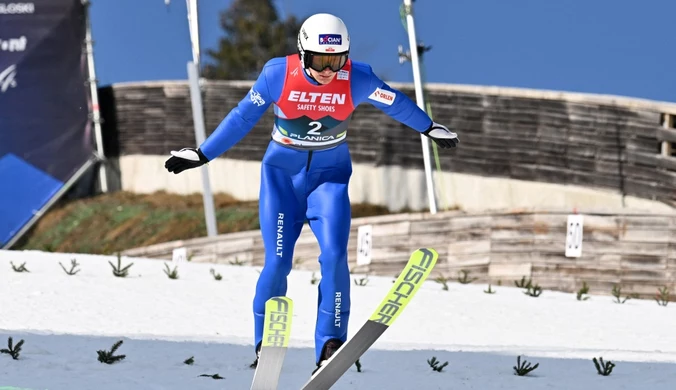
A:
{"x":315,"y":127}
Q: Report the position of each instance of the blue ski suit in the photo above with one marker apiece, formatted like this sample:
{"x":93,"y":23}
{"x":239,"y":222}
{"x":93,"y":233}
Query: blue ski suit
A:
{"x":305,"y":174}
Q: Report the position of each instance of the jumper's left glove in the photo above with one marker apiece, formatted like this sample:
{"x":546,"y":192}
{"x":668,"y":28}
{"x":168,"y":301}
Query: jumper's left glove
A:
{"x":186,"y":158}
{"x":442,"y":136}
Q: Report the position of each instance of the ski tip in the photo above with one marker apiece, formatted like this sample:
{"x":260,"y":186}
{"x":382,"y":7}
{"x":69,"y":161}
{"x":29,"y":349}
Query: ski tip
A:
{"x":426,"y":256}
{"x":279,"y":304}
{"x":278,"y":299}
{"x":428,"y":250}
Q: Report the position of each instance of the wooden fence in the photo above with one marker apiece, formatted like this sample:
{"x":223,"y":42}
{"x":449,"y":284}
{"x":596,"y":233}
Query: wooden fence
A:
{"x":634,"y":251}
{"x":621,"y":144}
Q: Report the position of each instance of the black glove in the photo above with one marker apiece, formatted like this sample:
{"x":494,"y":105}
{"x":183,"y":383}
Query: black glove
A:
{"x":186,"y":158}
{"x":442,"y":136}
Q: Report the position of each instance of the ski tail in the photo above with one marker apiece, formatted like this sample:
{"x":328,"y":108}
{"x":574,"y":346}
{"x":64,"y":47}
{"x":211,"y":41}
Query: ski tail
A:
{"x":416,"y":271}
{"x":276,"y":335}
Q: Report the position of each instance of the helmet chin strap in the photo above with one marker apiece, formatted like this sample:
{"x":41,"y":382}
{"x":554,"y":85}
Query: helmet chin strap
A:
{"x":302,"y":61}
{"x":307,"y":71}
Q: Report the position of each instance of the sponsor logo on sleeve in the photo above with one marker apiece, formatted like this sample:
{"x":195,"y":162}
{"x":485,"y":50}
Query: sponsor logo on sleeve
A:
{"x":383,"y":96}
{"x":256,"y":98}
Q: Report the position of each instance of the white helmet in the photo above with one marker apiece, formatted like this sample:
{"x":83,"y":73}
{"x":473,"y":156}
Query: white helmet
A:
{"x":323,"y":41}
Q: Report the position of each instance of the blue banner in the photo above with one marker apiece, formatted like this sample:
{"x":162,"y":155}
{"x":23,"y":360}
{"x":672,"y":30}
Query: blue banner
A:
{"x":45,"y":132}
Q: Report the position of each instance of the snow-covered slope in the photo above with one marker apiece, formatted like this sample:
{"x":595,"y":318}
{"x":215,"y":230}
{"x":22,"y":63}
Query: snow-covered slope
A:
{"x":65,"y":319}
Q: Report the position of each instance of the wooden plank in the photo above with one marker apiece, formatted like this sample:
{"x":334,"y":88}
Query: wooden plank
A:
{"x":427,"y":227}
{"x":665,"y":134}
{"x":392,"y":268}
{"x":550,"y":245}
{"x":643,"y":262}
{"x":550,"y":231}
{"x":511,"y":221}
{"x":465,"y":223}
{"x":552,"y":262}
{"x":438,"y":242}
{"x":603,"y":222}
{"x":609,"y":260}
{"x":505,"y":270}
{"x":394,"y":240}
{"x":227,"y":247}
{"x":637,"y":157}
{"x":513,"y":258}
{"x":588,"y":274}
{"x":466,"y":260}
{"x":389,"y":254}
{"x":623,"y":247}
{"x":653,"y":236}
{"x":512,"y":246}
{"x":638,"y":274}
{"x":666,"y":162}
{"x":469,"y":247}
{"x":391,"y":229}
{"x":505,"y":234}
{"x":469,"y":235}
{"x":651,"y":222}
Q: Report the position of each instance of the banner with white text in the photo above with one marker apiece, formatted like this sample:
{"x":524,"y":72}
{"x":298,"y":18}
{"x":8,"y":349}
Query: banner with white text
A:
{"x":45,"y":131}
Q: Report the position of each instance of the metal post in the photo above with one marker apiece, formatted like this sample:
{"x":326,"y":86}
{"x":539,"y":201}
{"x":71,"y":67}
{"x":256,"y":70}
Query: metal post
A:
{"x":420,"y":99}
{"x":200,"y":135}
{"x":198,"y":115}
{"x":193,"y":27}
{"x":95,"y":111}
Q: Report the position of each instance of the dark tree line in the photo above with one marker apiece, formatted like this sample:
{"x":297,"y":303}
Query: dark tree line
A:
{"x":253,"y":34}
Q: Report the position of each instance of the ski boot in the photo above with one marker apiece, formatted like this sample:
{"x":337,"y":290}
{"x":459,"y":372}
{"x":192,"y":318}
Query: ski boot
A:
{"x":330,"y":347}
{"x":258,"y":355}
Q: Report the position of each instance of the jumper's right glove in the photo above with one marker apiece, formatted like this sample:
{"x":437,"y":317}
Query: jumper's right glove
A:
{"x":442,"y":136}
{"x":186,"y":158}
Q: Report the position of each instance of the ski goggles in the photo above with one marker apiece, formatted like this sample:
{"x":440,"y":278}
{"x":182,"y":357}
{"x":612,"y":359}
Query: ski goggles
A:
{"x":319,"y":62}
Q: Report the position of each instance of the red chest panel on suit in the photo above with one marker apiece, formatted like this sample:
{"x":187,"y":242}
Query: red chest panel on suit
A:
{"x":302,"y":98}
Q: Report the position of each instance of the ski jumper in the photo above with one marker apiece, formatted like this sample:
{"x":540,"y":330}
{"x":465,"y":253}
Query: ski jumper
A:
{"x":305,"y":174}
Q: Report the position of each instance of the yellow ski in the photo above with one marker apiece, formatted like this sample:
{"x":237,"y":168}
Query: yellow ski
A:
{"x":417,"y":269}
{"x":277,"y":328}
{"x":276,"y":334}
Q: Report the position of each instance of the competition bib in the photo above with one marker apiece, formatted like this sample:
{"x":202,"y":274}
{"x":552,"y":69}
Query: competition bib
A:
{"x":309,"y":116}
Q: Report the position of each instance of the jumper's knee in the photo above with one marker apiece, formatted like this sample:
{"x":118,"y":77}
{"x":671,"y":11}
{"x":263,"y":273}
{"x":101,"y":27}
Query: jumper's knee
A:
{"x":277,"y":265}
{"x":333,"y":260}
